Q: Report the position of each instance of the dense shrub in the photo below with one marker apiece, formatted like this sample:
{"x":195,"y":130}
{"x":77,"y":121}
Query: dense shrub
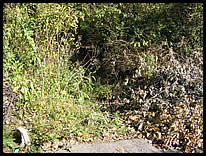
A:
{"x":139,"y":25}
{"x":64,"y":60}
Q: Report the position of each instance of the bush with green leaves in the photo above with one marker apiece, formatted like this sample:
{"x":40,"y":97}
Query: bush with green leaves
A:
{"x":53,"y":94}
{"x":45,"y":59}
{"x":139,"y":25}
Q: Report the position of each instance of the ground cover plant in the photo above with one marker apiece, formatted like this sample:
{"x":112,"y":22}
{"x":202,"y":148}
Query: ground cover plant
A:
{"x":87,"y":72}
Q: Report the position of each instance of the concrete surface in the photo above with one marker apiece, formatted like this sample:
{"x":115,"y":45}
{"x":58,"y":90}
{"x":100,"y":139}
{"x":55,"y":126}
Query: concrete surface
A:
{"x":122,"y":146}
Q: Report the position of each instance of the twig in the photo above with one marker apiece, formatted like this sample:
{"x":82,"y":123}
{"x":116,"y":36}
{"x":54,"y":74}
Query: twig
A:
{"x":157,"y":94}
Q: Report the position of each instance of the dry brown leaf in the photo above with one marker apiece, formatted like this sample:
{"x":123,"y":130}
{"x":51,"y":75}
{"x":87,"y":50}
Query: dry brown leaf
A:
{"x":121,"y":149}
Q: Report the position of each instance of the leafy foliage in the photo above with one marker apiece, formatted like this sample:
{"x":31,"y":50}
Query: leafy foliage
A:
{"x":65,"y":60}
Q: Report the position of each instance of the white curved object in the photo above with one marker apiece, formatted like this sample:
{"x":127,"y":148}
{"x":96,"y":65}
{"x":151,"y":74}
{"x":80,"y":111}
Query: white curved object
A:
{"x":24,"y":136}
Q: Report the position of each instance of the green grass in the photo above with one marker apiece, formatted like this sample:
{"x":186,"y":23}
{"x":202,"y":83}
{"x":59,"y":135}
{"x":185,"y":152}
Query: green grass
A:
{"x":55,"y":98}
{"x":61,"y":108}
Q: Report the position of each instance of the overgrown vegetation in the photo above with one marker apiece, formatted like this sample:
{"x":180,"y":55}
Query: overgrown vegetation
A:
{"x":82,"y":71}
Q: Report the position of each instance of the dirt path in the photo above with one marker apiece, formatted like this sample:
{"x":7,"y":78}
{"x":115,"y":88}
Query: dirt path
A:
{"x":122,"y":146}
